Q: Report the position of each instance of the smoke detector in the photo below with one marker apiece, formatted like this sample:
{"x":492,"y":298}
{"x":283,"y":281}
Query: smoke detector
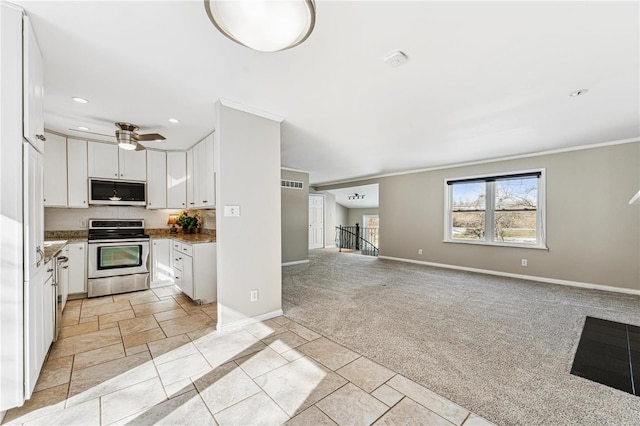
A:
{"x":395,"y":59}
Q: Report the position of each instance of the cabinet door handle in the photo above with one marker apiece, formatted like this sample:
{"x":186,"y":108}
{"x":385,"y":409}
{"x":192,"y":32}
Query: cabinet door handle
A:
{"x":65,"y":267}
{"x":205,"y":201}
{"x":84,"y":202}
{"x":177,"y":278}
{"x":116,"y":174}
{"x":41,"y":253}
{"x":41,"y":137}
{"x":50,"y":270}
{"x":192,"y":203}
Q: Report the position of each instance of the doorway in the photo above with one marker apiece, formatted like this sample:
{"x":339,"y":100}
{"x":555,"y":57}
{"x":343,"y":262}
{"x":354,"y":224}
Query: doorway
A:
{"x":316,"y":221}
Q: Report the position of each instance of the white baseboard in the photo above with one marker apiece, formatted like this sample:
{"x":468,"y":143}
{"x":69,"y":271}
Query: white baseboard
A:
{"x":519,"y":276}
{"x":297,"y":262}
{"x":331,"y":246}
{"x":246,"y":321}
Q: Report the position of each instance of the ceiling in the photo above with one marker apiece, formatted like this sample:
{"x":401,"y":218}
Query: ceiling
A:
{"x":484,"y":79}
{"x":369,"y":201}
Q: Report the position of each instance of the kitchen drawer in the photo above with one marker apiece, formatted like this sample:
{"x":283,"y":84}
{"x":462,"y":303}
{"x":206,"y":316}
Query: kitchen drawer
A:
{"x":178,"y":260}
{"x":187,"y":249}
{"x":177,"y":246}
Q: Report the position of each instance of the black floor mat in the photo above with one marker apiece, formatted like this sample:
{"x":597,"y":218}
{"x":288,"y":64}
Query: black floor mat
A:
{"x":609,"y":353}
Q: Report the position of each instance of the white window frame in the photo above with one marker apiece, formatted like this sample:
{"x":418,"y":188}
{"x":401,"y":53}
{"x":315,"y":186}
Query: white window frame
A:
{"x":541,"y":239}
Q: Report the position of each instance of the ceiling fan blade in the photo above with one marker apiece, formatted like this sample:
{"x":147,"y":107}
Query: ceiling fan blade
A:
{"x":92,"y":133}
{"x":149,"y":137}
{"x":139,"y":147}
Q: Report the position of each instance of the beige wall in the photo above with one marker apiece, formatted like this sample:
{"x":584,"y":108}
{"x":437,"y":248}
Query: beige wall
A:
{"x":355,"y":215}
{"x":247,"y":160}
{"x":592,"y":231}
{"x":342,"y":215}
{"x":295,"y":218}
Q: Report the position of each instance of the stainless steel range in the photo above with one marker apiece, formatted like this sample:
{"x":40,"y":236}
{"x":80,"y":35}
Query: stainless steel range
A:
{"x":118,"y":256}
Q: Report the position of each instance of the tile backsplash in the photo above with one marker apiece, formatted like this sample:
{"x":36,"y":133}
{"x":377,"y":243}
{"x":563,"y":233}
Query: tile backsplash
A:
{"x":59,"y":219}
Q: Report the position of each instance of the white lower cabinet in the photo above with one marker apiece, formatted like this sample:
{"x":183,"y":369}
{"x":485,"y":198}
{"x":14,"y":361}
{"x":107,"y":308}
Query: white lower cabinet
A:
{"x":194,"y":266}
{"x":77,"y":268}
{"x":161,"y":272}
{"x":40,"y":324}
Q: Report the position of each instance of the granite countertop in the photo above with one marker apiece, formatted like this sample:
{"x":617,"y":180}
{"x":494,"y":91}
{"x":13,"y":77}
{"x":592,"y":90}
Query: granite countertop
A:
{"x":52,"y":248}
{"x":65,"y":237}
{"x":208,"y":237}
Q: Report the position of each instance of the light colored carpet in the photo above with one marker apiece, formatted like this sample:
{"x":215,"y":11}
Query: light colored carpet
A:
{"x":500,"y":347}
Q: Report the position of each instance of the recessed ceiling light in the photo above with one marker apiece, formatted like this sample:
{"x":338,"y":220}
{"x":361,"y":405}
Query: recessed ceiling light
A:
{"x":579,"y":92}
{"x":174,"y":120}
{"x":82,"y":128}
{"x":80,"y":100}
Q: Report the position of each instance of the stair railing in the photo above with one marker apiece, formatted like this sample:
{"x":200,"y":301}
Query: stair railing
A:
{"x":356,"y":238}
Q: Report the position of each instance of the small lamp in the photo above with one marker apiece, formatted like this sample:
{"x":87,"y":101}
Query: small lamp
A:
{"x":173,"y":218}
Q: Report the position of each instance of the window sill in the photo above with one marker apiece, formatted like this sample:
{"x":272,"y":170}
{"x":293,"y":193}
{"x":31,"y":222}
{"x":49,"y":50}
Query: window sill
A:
{"x":485,"y":243}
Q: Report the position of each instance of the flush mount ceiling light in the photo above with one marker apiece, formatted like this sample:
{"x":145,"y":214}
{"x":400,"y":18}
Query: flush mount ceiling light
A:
{"x":356,"y":196}
{"x":264,"y":25}
{"x":395,"y":59}
{"x":579,"y":92}
{"x":174,"y":120}
{"x":82,"y":128}
{"x":80,"y":100}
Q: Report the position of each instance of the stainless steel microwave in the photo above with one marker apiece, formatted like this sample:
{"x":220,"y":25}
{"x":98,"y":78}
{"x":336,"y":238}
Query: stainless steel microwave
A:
{"x":117,"y":192}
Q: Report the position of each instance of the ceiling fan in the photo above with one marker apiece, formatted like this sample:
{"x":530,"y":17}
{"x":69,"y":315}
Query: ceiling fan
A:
{"x":128,"y":138}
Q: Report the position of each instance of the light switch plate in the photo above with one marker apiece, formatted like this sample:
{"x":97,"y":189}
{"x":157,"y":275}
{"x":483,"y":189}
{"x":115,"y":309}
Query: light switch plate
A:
{"x":232,"y":211}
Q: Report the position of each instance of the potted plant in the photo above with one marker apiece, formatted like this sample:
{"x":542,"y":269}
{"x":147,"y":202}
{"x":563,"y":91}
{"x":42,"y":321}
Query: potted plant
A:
{"x":188,"y":223}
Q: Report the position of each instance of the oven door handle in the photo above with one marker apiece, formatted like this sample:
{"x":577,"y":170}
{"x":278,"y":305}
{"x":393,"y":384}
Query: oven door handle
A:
{"x":119,"y":241}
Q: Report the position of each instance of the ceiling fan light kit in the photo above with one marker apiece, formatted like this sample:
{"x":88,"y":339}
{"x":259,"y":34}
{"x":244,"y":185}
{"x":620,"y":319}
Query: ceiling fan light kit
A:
{"x":263,"y":25}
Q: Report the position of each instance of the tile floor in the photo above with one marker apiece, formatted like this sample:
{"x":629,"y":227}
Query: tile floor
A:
{"x":154,"y":357}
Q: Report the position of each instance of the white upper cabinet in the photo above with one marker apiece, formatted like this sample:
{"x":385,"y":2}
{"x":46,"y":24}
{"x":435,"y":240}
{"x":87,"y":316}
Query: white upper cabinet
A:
{"x":190,"y":179}
{"x":133,"y":164}
{"x":108,"y":161}
{"x":103,"y":160}
{"x":77,"y":176}
{"x":176,"y":180}
{"x":156,"y":180}
{"x":55,"y":171}
{"x":33,"y":84}
{"x":201,"y":184}
{"x":207,"y":175}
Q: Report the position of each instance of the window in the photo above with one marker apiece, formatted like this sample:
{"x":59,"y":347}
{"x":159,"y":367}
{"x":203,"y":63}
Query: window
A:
{"x":505,"y":209}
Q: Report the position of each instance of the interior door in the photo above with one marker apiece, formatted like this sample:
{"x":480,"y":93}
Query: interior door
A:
{"x":316,"y":221}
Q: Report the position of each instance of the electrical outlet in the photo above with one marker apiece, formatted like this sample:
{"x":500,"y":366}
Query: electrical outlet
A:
{"x":83,"y":223}
{"x":254,"y":295}
{"x":524,"y":262}
{"x":419,"y":251}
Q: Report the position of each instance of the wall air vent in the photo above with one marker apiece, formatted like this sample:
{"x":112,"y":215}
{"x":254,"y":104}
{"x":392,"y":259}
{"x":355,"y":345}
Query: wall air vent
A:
{"x":291,"y":184}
